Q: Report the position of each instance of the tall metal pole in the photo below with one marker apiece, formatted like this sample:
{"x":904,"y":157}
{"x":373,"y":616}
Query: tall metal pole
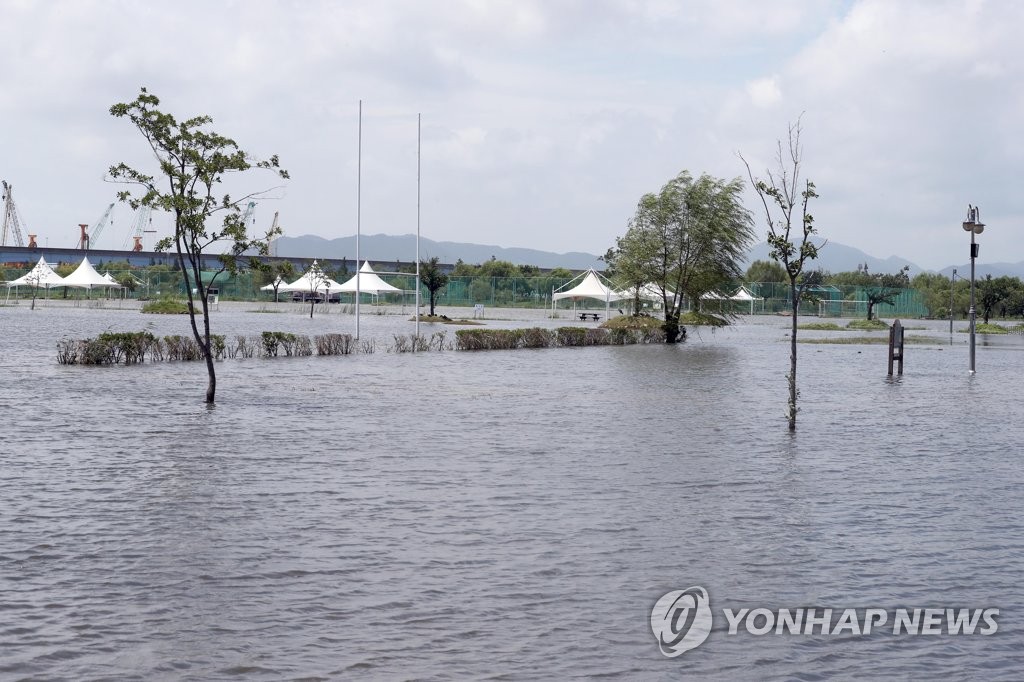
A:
{"x":419,"y":118}
{"x":974,"y":226}
{"x":359,"y":206}
{"x":952,"y":284}
{"x":971,"y":310}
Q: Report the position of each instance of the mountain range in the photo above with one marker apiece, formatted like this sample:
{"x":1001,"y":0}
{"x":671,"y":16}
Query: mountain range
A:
{"x":835,"y":257}
{"x":386,"y":247}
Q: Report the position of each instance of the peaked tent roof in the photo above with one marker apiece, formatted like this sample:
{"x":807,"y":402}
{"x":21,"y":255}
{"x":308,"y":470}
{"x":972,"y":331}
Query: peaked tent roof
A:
{"x":279,"y":282}
{"x":590,"y":287}
{"x":648,"y":292}
{"x":42,"y":275}
{"x":86,"y":277}
{"x":743,"y":294}
{"x":369,"y":282}
{"x":311,"y":283}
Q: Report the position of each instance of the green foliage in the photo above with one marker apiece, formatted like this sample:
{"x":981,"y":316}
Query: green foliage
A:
{"x":986,"y":328}
{"x":571,"y":336}
{"x":166,"y":306}
{"x":687,"y":240}
{"x":885,"y":287}
{"x":699,"y":319}
{"x":509,"y":339}
{"x":433,"y":279}
{"x":821,"y":326}
{"x":866,"y":325}
{"x":765,"y":271}
{"x":790,"y":235}
{"x":193,"y":162}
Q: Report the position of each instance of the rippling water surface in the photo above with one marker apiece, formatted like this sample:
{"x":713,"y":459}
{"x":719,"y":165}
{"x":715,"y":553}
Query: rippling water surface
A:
{"x":510,"y":515}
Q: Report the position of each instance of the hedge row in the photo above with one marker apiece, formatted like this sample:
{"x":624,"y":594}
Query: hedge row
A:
{"x":131,"y":348}
{"x":535,"y":337}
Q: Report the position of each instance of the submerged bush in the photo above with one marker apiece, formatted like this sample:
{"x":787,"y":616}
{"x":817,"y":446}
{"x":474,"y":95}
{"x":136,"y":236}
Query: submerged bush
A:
{"x":507,"y":339}
{"x":166,"y":306}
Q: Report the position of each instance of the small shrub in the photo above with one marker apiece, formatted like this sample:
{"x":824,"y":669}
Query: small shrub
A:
{"x":334,"y":344}
{"x":166,"y":306}
{"x":867,"y":325}
{"x":535,"y":337}
{"x":571,"y":336}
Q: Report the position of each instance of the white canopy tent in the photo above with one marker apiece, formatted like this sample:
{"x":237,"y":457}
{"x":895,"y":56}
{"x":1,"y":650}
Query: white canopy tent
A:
{"x":742,"y":294}
{"x":86,"y":277}
{"x":648,"y":292}
{"x":278,"y":282}
{"x":369,"y":283}
{"x":312,"y":281}
{"x":587,"y":285}
{"x":40,"y":276}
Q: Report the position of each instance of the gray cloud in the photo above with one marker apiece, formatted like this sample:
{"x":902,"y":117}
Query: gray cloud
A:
{"x":543,"y":122}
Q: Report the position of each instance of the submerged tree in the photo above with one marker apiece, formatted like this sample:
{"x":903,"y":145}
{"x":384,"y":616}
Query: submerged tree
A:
{"x":785,"y":198}
{"x":193,"y":161}
{"x":433,"y":279}
{"x":685,"y":241}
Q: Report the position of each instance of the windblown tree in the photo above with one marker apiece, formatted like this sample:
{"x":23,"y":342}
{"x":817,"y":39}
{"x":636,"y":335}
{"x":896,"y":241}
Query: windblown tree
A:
{"x":885,"y":288}
{"x":193,"y":161}
{"x":433,"y":279}
{"x":687,"y":240}
{"x":785,"y":198}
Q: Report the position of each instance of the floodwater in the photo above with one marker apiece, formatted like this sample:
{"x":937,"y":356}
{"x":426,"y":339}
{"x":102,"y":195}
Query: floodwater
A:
{"x":499,"y":515}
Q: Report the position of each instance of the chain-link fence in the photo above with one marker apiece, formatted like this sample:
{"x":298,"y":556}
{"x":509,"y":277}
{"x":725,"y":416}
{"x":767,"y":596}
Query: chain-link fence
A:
{"x":523,"y":292}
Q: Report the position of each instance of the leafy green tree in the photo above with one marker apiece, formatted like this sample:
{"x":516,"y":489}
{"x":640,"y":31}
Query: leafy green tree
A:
{"x":992,"y":292}
{"x":858,"y":278}
{"x":433,"y":279}
{"x":765,"y":271}
{"x":785,"y":199}
{"x":885,"y":288}
{"x":193,"y":161}
{"x":277,"y":273}
{"x":935,"y":290}
{"x":688,"y":239}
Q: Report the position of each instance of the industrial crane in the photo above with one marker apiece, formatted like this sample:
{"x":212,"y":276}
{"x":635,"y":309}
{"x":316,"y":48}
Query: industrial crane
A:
{"x":12,"y":222}
{"x":98,"y":227}
{"x":91,"y":237}
{"x":143,"y":219}
{"x":273,"y":238}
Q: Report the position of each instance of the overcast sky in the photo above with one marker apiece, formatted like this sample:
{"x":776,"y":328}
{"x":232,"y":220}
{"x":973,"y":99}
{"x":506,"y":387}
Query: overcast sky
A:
{"x":543,"y":121}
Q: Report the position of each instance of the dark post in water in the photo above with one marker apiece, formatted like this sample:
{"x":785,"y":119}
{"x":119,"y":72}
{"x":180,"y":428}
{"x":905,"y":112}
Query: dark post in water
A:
{"x":896,"y":346}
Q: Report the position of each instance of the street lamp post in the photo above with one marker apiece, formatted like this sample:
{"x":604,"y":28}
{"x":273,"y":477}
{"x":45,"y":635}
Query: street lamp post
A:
{"x":974,"y":226}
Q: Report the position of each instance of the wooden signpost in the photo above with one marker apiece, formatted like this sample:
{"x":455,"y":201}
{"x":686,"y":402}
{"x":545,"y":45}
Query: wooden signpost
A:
{"x":896,"y":346}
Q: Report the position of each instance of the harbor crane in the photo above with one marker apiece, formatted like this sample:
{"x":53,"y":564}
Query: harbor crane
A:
{"x":91,"y":237}
{"x":143,"y":219}
{"x":12,"y":221}
{"x":273,"y":239}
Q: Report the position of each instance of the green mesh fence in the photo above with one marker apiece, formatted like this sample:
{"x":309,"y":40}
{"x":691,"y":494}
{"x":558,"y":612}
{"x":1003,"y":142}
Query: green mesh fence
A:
{"x":526,"y":292}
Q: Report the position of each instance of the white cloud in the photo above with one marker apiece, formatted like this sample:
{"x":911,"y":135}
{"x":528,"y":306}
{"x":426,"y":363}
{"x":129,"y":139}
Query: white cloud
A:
{"x":543,"y":122}
{"x":764,"y":92}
